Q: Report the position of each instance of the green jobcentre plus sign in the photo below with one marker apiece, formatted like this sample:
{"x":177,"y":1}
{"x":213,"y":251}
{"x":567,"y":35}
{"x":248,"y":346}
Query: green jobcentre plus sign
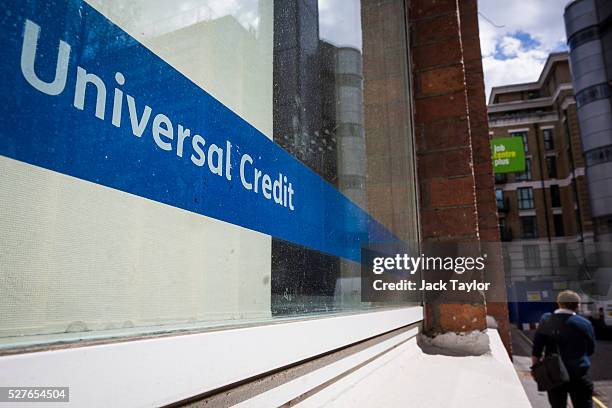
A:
{"x":508,"y":155}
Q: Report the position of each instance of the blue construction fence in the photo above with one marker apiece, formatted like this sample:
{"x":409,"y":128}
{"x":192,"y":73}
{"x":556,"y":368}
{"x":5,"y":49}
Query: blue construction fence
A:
{"x":528,"y":301}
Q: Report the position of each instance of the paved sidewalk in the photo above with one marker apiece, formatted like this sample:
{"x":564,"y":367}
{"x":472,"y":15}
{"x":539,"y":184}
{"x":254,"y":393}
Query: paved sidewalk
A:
{"x":601,"y":371}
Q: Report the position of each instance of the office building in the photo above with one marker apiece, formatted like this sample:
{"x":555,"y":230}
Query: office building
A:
{"x":544,"y":212}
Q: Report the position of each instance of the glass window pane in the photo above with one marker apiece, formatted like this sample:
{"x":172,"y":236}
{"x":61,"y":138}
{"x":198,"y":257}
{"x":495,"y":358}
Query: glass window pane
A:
{"x":499,"y":195}
{"x":525,"y":198}
{"x":531,"y":256}
{"x":526,"y":175}
{"x":551,"y":166}
{"x":558,"y":223}
{"x":555,"y":196}
{"x":198,"y":163}
{"x":529,"y":227}
{"x":548,"y":139}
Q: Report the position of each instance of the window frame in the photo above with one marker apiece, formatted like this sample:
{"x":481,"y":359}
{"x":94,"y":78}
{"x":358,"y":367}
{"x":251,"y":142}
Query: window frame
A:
{"x":535,"y":260}
{"x":555,"y":195}
{"x":558,"y":225}
{"x":522,"y":199}
{"x":535,"y":227}
{"x":548,"y":139}
{"x":562,"y":252}
{"x":499,"y":198}
{"x":551,"y":167}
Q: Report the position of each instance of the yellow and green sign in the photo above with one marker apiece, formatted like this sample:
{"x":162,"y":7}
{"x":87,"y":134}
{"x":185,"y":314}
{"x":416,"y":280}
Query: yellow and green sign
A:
{"x":508,"y":155}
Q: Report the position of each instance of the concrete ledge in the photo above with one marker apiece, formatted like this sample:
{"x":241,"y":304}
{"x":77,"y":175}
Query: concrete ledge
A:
{"x":406,"y":376}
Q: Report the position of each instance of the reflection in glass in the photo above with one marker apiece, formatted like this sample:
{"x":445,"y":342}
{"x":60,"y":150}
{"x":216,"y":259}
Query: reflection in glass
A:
{"x":321,"y":116}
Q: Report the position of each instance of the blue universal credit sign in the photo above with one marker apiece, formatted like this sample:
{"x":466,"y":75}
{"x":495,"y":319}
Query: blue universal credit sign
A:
{"x":83,"y":98}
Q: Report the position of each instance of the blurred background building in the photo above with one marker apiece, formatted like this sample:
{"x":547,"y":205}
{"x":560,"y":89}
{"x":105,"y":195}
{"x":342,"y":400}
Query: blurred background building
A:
{"x":588,"y":25}
{"x":544,"y":212}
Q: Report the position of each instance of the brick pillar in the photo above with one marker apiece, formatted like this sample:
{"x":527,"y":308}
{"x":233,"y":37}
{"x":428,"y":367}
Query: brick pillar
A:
{"x":456,"y":184}
{"x":488,"y":227}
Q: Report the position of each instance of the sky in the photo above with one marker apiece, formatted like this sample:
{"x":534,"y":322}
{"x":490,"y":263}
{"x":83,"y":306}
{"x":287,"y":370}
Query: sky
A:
{"x":340,"y":22}
{"x":513,"y":52}
{"x":516,"y":52}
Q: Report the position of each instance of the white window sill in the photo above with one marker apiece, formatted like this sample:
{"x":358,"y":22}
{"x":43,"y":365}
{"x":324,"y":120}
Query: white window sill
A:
{"x":158,"y":371}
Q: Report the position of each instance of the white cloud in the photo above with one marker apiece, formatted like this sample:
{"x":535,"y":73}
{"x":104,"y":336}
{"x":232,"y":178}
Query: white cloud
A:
{"x":510,"y":46}
{"x":510,"y":58}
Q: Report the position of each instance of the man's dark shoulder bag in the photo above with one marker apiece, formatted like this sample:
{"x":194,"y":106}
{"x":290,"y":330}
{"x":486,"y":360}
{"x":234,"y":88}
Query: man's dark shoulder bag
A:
{"x":551,"y":371}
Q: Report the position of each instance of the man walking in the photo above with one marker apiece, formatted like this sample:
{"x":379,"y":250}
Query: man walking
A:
{"x":573,"y":337}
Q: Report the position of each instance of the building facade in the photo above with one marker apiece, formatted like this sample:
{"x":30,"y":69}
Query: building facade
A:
{"x":545,"y":215}
{"x":186,"y":188}
{"x":588,"y":25}
{"x":589,"y":36}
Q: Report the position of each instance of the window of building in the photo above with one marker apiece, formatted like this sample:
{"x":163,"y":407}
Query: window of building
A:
{"x":555,"y":196}
{"x":592,"y":94}
{"x":549,"y":143}
{"x":500,"y":178}
{"x":599,"y":155}
{"x":551,"y":167}
{"x":531,"y":256}
{"x":195,"y":209}
{"x":529,"y":227}
{"x":583,"y":36}
{"x":524,"y":135}
{"x":526,"y":175}
{"x":499,"y":198}
{"x":558,"y":223}
{"x":525,"y":198}
{"x":533,"y":94}
{"x":562,"y":254}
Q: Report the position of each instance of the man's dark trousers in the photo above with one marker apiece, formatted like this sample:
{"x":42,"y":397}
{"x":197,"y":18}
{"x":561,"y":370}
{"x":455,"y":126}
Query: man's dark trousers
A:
{"x":580,"y":390}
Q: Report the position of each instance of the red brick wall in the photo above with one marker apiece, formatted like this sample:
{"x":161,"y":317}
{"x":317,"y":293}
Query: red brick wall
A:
{"x":454,"y":171}
{"x":483,"y":171}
